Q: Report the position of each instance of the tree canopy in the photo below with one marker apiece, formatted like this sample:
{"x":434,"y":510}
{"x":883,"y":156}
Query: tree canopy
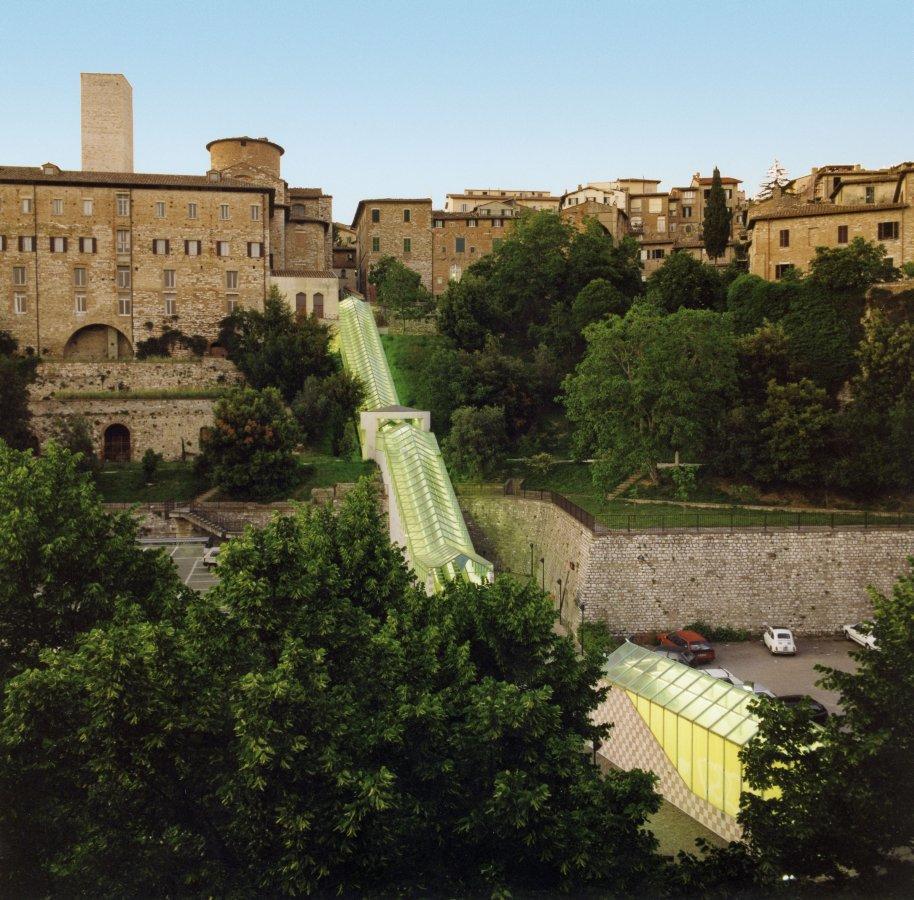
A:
{"x":400,"y":289}
{"x":17,"y":372}
{"x":717,"y":219}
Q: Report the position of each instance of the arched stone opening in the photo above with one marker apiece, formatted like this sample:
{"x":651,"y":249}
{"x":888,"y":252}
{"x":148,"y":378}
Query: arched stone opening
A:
{"x":318,"y":306}
{"x":97,"y":342}
{"x":117,"y":443}
{"x":301,"y":304}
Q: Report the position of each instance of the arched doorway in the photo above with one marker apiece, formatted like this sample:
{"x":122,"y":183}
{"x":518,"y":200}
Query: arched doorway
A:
{"x":301,"y":304}
{"x":97,"y":342}
{"x":117,"y":443}
{"x":318,"y":306}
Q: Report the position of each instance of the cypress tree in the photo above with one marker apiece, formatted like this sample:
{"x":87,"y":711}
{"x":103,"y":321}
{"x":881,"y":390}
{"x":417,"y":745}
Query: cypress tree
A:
{"x":717,"y":219}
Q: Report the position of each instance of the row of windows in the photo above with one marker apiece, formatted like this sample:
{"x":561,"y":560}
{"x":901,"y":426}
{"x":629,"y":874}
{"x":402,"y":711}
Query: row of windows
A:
{"x":885,"y":231}
{"x":160,"y":246}
{"x":124,"y":304}
{"x":123,"y":278}
{"x":471,"y":223}
{"x":376,"y":215}
{"x":27,"y":205}
{"x":460,"y":245}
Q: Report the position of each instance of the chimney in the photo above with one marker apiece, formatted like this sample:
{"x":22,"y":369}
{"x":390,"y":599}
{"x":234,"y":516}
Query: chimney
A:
{"x":107,"y":123}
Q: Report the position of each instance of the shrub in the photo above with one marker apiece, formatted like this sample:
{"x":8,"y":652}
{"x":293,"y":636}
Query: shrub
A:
{"x":73,"y":433}
{"x":150,"y":463}
{"x":723,"y":633}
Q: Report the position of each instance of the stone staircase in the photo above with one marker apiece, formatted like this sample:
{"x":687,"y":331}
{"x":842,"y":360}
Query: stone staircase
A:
{"x":623,"y":486}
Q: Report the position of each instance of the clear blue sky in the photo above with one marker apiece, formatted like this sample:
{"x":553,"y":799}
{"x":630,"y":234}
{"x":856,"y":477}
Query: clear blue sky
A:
{"x":420,"y":98}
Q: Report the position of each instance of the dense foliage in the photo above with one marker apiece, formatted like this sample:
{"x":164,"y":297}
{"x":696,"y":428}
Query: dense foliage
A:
{"x":324,"y":407}
{"x":399,"y":289}
{"x":17,"y":372}
{"x":476,"y":440}
{"x":715,"y":228}
{"x":74,"y":433}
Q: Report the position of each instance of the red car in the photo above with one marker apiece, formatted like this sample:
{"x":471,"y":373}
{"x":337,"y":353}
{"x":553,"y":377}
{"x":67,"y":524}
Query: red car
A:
{"x":699,"y":645}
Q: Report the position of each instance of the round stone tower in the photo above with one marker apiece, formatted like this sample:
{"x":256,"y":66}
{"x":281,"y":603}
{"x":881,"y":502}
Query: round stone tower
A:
{"x":226,"y":153}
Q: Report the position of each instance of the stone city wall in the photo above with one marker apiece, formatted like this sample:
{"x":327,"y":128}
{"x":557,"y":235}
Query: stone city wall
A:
{"x":813,"y":580}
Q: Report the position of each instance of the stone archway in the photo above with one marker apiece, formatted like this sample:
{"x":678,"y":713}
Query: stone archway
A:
{"x":117,"y":443}
{"x":98,"y":342}
{"x":301,"y":304}
{"x":318,"y":306}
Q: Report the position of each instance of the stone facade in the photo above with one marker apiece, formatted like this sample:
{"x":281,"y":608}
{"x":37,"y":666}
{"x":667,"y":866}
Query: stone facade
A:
{"x":310,"y":292}
{"x":107,"y":122}
{"x":459,"y":239}
{"x":401,"y":228}
{"x":345,"y":266}
{"x":813,"y":581}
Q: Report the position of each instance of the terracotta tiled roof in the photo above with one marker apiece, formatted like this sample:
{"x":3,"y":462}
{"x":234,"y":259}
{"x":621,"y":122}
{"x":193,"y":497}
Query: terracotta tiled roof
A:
{"x":303,"y":273}
{"x":244,"y":137}
{"x":36,"y":174}
{"x":361,"y":206}
{"x":725,"y":179}
{"x":307,"y":193}
{"x":471,"y":214}
{"x":801,"y":210}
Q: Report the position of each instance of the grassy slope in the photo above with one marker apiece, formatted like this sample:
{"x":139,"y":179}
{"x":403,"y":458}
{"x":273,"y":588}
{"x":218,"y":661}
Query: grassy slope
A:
{"x":123,"y":483}
{"x":404,"y":351}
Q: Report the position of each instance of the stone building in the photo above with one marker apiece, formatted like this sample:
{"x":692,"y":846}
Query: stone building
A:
{"x":397,"y":227}
{"x":613,"y":218}
{"x":829,"y":208}
{"x":471,"y":198}
{"x":345,"y":267}
{"x":460,"y":238}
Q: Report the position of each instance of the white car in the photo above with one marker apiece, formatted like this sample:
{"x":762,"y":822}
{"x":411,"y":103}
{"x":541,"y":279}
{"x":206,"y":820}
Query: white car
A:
{"x":779,"y":641}
{"x":862,"y":634}
{"x":211,"y":557}
{"x":736,"y":681}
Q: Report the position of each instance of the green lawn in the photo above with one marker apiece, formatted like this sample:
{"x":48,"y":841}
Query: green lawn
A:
{"x":123,"y":483}
{"x":325,"y":470}
{"x":404,"y":353}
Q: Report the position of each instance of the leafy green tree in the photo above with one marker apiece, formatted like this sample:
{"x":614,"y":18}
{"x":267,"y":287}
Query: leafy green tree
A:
{"x":475,"y":440}
{"x":465,"y":309}
{"x":150,"y":464}
{"x":596,"y":300}
{"x":324,"y":406}
{"x":593,"y":254}
{"x":845,"y":792}
{"x":683,"y":281}
{"x":17,"y":372}
{"x":276,"y":348}
{"x":249,"y":449}
{"x":400,"y":289}
{"x":74,"y":433}
{"x":851,"y":269}
{"x":717,"y":219}
{"x":649,"y":385}
{"x":752,"y":300}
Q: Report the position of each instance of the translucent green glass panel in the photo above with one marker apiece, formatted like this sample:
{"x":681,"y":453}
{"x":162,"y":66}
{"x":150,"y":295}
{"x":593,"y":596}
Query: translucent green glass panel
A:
{"x":732,"y":778}
{"x":716,"y":771}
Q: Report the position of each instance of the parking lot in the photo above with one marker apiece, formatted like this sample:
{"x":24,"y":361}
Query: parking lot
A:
{"x":187,"y":556}
{"x":751,"y":661}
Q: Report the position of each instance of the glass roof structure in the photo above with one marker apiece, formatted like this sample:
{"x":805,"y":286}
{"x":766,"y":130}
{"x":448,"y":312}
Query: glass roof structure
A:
{"x":702,"y":699}
{"x":437,"y":541}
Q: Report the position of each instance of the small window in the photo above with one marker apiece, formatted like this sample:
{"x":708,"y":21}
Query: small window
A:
{"x":782,"y":269}
{"x":123,"y":278}
{"x":687,"y":212}
{"x":80,"y":304}
{"x":171,"y":305}
{"x":58,"y":245}
{"x":887,"y":231}
{"x":88,"y":245}
{"x":222,"y":248}
{"x":231,"y":281}
{"x":784,"y":237}
{"x":19,"y":274}
{"x":870,"y":194}
{"x":87,"y":207}
{"x":123,"y":204}
{"x":842,"y":234}
{"x":439,"y":223}
{"x":79,"y":277}
{"x":123,"y":306}
{"x":255,"y":249}
{"x":407,"y":214}
{"x":27,"y":244}
{"x":460,"y":245}
{"x":497,"y":223}
{"x":192,"y":248}
{"x":168,"y":278}
{"x":231,"y":303}
{"x":255,"y":212}
{"x":160,"y":210}
{"x":223,"y":211}
{"x":19,"y":304}
{"x":472,"y":223}
{"x":160,"y":247}
{"x":376,"y":215}
{"x":26,"y":204}
{"x":191,"y":210}
{"x":123,"y":240}
{"x":407,"y":245}
{"x":375,"y":245}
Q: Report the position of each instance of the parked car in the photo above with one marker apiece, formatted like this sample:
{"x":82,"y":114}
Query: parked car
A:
{"x":862,"y":634}
{"x":819,"y":712}
{"x":211,"y":557}
{"x":779,"y":641}
{"x":689,"y":640}
{"x":686,"y":657}
{"x":736,"y":681}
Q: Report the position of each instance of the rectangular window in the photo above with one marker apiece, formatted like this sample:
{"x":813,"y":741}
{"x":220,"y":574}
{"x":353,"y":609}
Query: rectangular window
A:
{"x":27,"y":244}
{"x":80,"y":303}
{"x":222,"y":248}
{"x":160,"y":210}
{"x":19,"y":304}
{"x":88,"y":245}
{"x":87,"y":207}
{"x":782,"y":269}
{"x":123,"y":204}
{"x":784,"y":237}
{"x":231,"y":281}
{"x":255,"y":212}
{"x":636,"y":205}
{"x":657,"y":253}
{"x":58,"y":245}
{"x":687,"y":212}
{"x":376,"y":215}
{"x":661,"y":223}
{"x":123,"y":240}
{"x":655,"y":205}
{"x":19,"y":274}
{"x":223,"y":211}
{"x":191,"y":210}
{"x":407,"y":245}
{"x":255,"y":249}
{"x":231,"y":303}
{"x":497,"y":223}
{"x":160,"y":246}
{"x":439,"y":223}
{"x":123,"y":306}
{"x":171,"y":305}
{"x":472,"y":223}
{"x":870,"y":194}
{"x":460,"y":245}
{"x":842,"y":234}
{"x":168,"y":278}
{"x":123,"y":278}
{"x":375,"y":245}
{"x":2,"y":242}
{"x":887,"y":231}
{"x":192,"y":248}
{"x":407,"y":214}
{"x":26,"y":204}
{"x":79,"y":277}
